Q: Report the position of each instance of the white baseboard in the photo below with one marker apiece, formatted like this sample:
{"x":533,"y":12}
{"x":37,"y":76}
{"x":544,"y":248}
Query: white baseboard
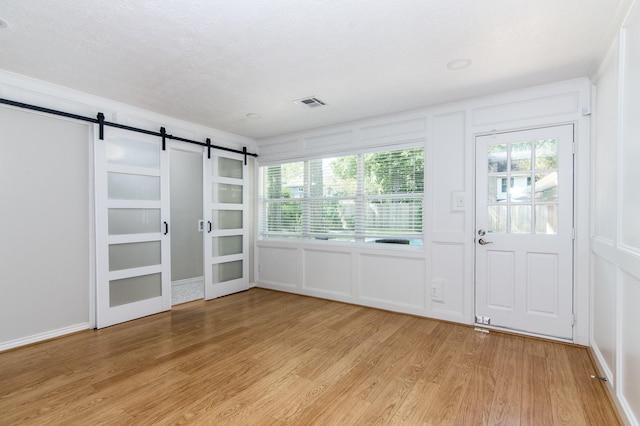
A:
{"x":43,"y":336}
{"x":361,"y":301}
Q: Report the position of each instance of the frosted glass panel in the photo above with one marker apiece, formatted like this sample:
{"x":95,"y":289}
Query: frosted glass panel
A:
{"x":230,"y":168}
{"x":133,"y":255}
{"x":133,"y":153}
{"x":547,"y":219}
{"x":497,"y":219}
{"x":227,"y":271}
{"x":521,"y":219}
{"x":123,"y":186}
{"x":227,"y":219}
{"x":229,"y":194}
{"x":225,"y":246}
{"x":133,"y":221}
{"x":129,"y":290}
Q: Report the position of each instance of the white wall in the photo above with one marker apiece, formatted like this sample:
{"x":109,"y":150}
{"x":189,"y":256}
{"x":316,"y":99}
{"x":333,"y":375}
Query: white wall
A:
{"x":47,"y":265}
{"x":44,"y":225}
{"x":400,"y":278}
{"x":186,"y":209}
{"x":615,"y":227}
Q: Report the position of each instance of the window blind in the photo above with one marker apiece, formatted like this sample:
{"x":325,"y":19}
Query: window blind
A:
{"x":371,"y":197}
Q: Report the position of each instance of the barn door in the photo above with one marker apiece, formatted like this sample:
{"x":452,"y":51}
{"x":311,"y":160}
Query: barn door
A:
{"x":225,"y":247}
{"x":132,"y":227}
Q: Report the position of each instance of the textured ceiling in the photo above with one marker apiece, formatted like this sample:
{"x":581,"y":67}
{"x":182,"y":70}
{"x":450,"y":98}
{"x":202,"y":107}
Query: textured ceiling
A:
{"x":214,"y":62}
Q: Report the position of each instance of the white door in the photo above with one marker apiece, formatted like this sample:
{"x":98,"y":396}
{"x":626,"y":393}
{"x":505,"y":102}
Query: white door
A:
{"x":225,"y":243}
{"x":132,"y":227}
{"x":524,"y":231}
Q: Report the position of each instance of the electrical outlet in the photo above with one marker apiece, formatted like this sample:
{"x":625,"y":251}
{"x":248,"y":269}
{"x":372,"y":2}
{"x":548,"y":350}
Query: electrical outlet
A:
{"x":259,"y":267}
{"x":437,"y":290}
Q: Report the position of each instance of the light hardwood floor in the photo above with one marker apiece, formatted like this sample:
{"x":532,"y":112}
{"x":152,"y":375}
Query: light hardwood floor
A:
{"x":263,"y":357}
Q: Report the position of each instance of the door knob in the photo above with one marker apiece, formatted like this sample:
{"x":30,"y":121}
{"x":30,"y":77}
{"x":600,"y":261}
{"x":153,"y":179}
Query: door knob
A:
{"x":482,"y":242}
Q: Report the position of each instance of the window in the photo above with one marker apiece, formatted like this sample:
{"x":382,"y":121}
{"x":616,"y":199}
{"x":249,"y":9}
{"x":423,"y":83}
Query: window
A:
{"x":529,"y":203}
{"x":371,"y":197}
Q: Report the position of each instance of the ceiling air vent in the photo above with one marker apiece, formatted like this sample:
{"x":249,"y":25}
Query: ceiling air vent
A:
{"x":310,"y":102}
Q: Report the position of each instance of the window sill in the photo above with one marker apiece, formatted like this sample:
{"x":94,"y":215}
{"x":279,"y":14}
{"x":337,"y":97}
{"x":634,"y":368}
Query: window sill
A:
{"x":418,"y":250}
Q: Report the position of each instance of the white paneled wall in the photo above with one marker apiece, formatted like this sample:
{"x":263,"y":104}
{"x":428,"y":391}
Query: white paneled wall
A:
{"x":450,"y":251}
{"x":629,"y":343}
{"x":401,"y":278}
{"x":335,"y":280}
{"x":615,"y":240}
{"x":392,"y":279}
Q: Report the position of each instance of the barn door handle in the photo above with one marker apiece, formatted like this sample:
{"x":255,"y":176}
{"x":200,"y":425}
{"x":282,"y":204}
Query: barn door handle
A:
{"x":166,"y":228}
{"x":210,"y":226}
{"x":482,"y":242}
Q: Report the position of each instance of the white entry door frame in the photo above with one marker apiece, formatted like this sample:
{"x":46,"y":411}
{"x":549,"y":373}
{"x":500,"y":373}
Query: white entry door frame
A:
{"x":525,"y":232}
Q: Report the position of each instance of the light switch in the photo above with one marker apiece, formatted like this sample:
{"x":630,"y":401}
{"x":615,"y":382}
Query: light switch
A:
{"x":458,"y":201}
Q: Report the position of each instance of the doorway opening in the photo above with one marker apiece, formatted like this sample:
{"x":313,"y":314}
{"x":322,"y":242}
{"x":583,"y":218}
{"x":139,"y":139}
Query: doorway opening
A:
{"x":186,"y":207}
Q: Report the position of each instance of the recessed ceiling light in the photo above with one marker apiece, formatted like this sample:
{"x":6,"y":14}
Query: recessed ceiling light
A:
{"x":3,"y":23}
{"x":253,"y":116}
{"x":458,"y":64}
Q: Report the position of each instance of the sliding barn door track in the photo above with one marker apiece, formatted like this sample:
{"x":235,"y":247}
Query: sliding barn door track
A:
{"x":100,"y":121}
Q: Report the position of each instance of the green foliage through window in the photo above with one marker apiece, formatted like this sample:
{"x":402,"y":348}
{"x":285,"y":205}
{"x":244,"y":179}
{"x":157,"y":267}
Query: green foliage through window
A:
{"x":365,"y":197}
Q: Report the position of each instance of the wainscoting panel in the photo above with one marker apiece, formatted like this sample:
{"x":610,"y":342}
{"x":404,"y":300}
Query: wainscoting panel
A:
{"x":393,"y":280}
{"x":278,"y":266}
{"x":320,"y":277}
{"x":630,"y":342}
{"x":565,"y":103}
{"x":448,"y":267}
{"x":447,"y":177}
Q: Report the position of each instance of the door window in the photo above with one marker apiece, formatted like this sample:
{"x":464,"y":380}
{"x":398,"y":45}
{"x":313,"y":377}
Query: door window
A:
{"x":522,"y":193}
